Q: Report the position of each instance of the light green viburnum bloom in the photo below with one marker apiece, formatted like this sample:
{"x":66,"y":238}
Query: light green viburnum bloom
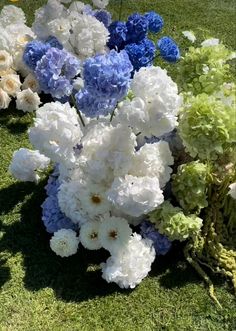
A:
{"x":207,"y":127}
{"x":190,"y":186}
{"x":171,"y":222}
{"x":204,"y":69}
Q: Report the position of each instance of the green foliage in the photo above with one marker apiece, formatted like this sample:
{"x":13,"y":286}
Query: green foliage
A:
{"x":172,"y":222}
{"x":190,"y":186}
{"x":207,"y":126}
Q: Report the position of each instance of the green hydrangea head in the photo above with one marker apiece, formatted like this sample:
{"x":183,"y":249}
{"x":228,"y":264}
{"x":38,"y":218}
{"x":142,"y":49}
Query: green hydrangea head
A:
{"x":171,"y":222}
{"x":207,"y":126}
{"x":190,"y":186}
{"x":204,"y":69}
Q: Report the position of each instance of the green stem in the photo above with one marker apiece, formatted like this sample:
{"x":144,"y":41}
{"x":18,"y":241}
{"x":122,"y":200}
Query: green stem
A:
{"x":120,"y":9}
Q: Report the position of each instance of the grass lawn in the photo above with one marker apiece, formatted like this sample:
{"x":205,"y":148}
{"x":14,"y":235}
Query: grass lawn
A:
{"x":40,"y":291}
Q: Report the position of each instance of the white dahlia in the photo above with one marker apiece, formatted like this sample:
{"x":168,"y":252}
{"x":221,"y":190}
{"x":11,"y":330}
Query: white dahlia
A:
{"x":64,"y":242}
{"x":130,"y":265}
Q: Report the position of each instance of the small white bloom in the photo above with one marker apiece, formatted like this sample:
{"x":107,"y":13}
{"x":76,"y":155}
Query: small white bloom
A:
{"x":100,"y":3}
{"x":78,"y":83}
{"x":25,"y":162}
{"x":189,"y":35}
{"x":114,"y":233}
{"x":11,"y":84}
{"x":27,"y":100}
{"x":232,"y":191}
{"x":56,"y":131}
{"x":89,"y":235}
{"x":135,"y":196}
{"x":31,"y":82}
{"x":130,"y":264}
{"x":4,"y":99}
{"x":64,"y":242}
{"x":6,"y":60}
{"x":210,"y":42}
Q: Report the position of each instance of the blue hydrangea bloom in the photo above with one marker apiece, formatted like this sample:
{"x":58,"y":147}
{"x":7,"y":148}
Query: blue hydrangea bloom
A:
{"x":92,"y":106}
{"x":155,"y":21}
{"x":107,"y":76}
{"x":137,"y":26}
{"x":103,"y":16}
{"x":161,"y":244}
{"x":55,"y":72}
{"x":169,"y":50}
{"x":33,"y":53}
{"x":118,"y":34}
{"x":54,"y":42}
{"x":141,"y":54}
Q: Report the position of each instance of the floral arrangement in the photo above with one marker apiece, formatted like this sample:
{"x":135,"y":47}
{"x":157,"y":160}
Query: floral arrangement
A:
{"x":139,"y":162}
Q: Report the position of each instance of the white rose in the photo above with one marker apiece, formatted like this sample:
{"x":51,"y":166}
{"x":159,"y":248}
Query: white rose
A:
{"x":4,"y":99}
{"x":32,"y":83}
{"x":5,"y":60}
{"x":27,"y":100}
{"x":11,"y":84}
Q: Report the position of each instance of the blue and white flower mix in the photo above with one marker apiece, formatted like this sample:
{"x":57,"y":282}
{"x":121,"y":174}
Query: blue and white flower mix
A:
{"x":106,"y":130}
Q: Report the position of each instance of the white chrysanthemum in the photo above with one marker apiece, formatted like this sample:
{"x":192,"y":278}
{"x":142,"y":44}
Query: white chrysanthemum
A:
{"x":189,"y":35}
{"x":153,"y":160}
{"x":100,"y":3}
{"x":4,"y":99}
{"x":11,"y":84}
{"x":27,"y":100}
{"x":107,"y":151}
{"x":210,"y":42}
{"x":160,"y":93}
{"x":64,"y":242}
{"x":6,"y":60}
{"x":25,"y":162}
{"x":130,"y":265}
{"x":135,"y":196}
{"x":90,"y":235}
{"x":32,"y":83}
{"x":132,"y":113}
{"x":12,"y":15}
{"x":232,"y":191}
{"x":82,"y":200}
{"x":60,"y":28}
{"x":114,"y":233}
{"x":89,"y":36}
{"x":56,"y":131}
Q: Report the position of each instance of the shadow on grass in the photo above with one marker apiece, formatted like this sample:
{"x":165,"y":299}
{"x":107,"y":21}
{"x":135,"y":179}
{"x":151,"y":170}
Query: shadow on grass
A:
{"x":4,"y":273}
{"x":77,"y":278}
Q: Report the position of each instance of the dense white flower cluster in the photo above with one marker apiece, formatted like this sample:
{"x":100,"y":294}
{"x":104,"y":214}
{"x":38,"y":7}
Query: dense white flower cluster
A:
{"x":130,"y":264}
{"x":64,"y":242}
{"x":25,"y":163}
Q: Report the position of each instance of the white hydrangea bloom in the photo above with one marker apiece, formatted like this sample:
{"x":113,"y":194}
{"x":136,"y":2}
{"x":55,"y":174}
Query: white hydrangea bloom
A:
{"x":31,"y":82}
{"x":135,"y":196}
{"x":6,"y":41}
{"x":100,"y":3}
{"x":153,"y":160}
{"x":60,"y":28}
{"x":232,"y":191}
{"x":11,"y":84}
{"x":114,"y":233}
{"x":11,"y":15}
{"x":64,"y":242}
{"x":6,"y":60}
{"x":160,"y":93}
{"x":4,"y":99}
{"x":89,"y":36}
{"x":130,"y":265}
{"x":90,"y":235}
{"x":27,"y":100}
{"x":56,"y":131}
{"x":189,"y":35}
{"x":83,"y":200}
{"x":77,"y":6}
{"x":20,"y":34}
{"x":132,"y":113}
{"x":25,"y":162}
{"x":210,"y":42}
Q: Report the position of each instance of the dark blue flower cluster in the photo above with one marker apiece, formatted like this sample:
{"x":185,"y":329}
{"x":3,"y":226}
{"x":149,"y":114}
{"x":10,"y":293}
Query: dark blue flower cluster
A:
{"x":137,"y":28}
{"x":103,"y":16}
{"x":169,"y":50}
{"x":52,"y":216}
{"x":106,"y":81}
{"x":55,"y":72}
{"x":141,"y":54}
{"x":161,"y":244}
{"x":118,"y":34}
{"x":155,"y":21}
